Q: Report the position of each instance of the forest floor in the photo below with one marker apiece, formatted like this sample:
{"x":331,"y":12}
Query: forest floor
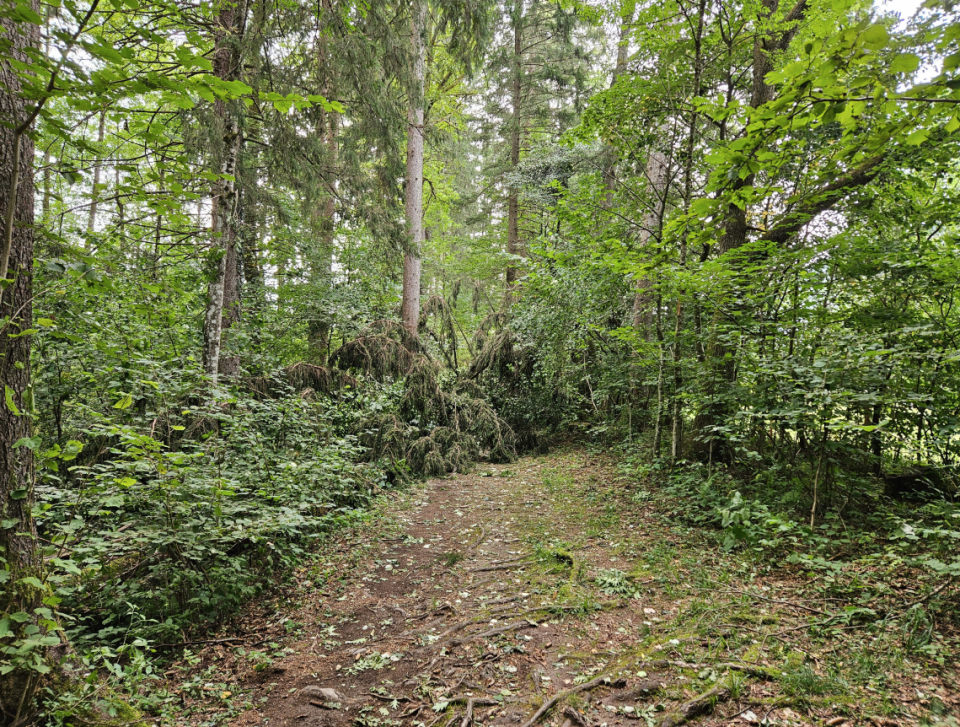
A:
{"x":551,"y":591}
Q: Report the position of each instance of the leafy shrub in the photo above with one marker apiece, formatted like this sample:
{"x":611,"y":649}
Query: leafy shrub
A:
{"x":168,"y":538}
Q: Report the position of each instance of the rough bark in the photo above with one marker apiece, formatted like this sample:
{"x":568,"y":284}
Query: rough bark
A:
{"x":516,"y":131}
{"x":17,"y":543}
{"x":226,"y":65}
{"x":410,"y":305}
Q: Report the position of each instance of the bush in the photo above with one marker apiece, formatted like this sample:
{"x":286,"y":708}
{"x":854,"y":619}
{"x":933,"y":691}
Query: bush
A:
{"x":170,"y":538}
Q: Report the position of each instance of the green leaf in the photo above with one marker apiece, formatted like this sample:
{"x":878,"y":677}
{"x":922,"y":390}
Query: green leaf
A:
{"x":71,"y":450}
{"x":905,"y":63}
{"x":31,"y":581}
{"x":125,"y":402}
{"x":68,"y":565}
{"x":24,"y":13}
{"x":875,"y":37}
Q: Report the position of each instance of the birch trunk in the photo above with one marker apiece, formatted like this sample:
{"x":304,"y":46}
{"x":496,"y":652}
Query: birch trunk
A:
{"x":410,"y":304}
{"x":226,"y":65}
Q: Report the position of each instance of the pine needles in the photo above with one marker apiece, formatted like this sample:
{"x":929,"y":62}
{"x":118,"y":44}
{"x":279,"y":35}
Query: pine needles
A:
{"x":440,"y":423}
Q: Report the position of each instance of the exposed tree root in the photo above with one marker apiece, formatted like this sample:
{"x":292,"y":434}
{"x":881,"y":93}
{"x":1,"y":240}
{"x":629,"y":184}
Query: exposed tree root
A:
{"x":468,"y":717}
{"x":602,"y":680}
{"x":757,"y":671}
{"x":697,"y":706}
{"x":575,"y":717}
{"x":494,"y":632}
{"x":504,"y":566}
{"x":483,"y":536}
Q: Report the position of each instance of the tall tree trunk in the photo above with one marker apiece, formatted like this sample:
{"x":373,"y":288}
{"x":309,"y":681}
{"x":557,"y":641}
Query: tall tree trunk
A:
{"x":410,"y":305}
{"x":250,"y":251}
{"x":676,"y":440}
{"x":47,"y":175}
{"x":319,"y":327}
{"x":623,"y":52}
{"x":97,"y":167}
{"x":47,"y":186}
{"x":19,"y":534}
{"x":226,"y":65}
{"x":116,"y":185}
{"x":658,"y":176}
{"x":229,"y":364}
{"x":768,"y":42}
{"x":516,"y":129}
{"x":661,"y":383}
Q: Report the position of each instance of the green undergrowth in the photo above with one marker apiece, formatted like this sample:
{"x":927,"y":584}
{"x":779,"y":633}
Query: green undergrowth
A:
{"x":167,"y":538}
{"x":703,"y":587}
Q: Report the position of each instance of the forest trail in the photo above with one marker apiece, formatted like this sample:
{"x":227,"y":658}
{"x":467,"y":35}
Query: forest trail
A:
{"x":483,"y":598}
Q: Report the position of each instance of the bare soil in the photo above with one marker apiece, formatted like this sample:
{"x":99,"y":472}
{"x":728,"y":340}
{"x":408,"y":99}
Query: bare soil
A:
{"x":482,"y":598}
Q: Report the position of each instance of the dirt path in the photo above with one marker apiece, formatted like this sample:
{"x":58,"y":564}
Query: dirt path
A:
{"x":483,"y":598}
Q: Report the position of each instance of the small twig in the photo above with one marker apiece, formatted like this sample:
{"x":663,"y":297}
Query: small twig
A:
{"x":200,"y":641}
{"x":773,"y":600}
{"x":412,"y":712}
{"x":494,"y":632}
{"x":500,"y":600}
{"x":390,"y":698}
{"x":496,"y":567}
{"x":930,"y":595}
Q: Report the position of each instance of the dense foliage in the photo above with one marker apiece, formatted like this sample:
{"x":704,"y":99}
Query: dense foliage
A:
{"x":719,"y":236}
